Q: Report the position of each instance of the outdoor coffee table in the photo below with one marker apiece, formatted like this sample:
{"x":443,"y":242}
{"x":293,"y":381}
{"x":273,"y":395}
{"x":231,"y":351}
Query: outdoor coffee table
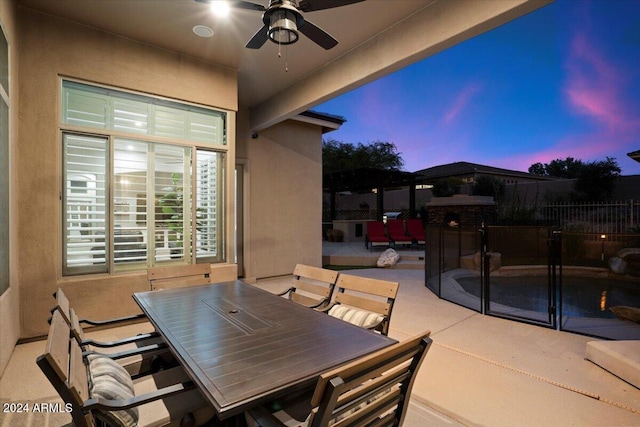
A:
{"x":244,"y":346}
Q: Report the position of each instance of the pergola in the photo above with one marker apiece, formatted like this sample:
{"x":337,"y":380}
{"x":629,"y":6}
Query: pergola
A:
{"x":367,"y":179}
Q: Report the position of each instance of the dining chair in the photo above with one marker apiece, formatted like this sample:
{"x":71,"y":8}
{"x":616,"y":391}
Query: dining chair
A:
{"x":311,"y":286}
{"x":364,"y":301}
{"x":373,"y":390}
{"x":141,"y":353}
{"x":179,"y":276}
{"x":99,"y":391}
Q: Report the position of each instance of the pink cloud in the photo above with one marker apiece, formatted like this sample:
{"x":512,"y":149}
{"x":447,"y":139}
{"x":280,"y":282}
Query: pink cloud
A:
{"x":460,"y":102}
{"x":595,"y":87}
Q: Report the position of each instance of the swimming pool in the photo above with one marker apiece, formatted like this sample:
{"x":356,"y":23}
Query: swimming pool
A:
{"x":582,"y":296}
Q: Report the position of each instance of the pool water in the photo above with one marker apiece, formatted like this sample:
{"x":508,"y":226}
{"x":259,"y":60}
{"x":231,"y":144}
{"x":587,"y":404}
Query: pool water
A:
{"x":581,"y":296}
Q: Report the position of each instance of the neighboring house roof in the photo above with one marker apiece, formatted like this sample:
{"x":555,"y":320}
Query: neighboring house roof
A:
{"x":460,"y":169}
{"x":635,"y":155}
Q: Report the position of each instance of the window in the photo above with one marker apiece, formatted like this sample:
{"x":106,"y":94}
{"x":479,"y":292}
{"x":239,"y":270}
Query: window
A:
{"x":144,"y":185}
{"x":4,"y":163}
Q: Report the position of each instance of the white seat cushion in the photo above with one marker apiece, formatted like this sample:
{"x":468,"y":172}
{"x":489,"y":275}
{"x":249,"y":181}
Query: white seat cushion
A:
{"x":355,"y":316}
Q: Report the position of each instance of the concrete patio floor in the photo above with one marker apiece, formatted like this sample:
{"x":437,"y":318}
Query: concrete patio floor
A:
{"x":481,"y":370}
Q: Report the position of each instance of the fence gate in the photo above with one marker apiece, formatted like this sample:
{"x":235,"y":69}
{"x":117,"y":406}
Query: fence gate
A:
{"x":526,"y":286}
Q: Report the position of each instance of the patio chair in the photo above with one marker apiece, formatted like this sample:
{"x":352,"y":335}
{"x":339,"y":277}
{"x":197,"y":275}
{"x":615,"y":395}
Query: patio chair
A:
{"x":144,"y":352}
{"x":98,"y":389}
{"x":415,"y":229}
{"x":311,"y":286}
{"x":368,"y":302}
{"x":395,"y":231}
{"x":376,"y":235}
{"x":373,"y":390}
{"x":179,"y":276}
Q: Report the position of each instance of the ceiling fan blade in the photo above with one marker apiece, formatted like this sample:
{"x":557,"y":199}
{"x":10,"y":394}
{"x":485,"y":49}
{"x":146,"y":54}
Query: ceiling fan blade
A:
{"x":239,"y":4}
{"x":317,"y":35}
{"x":258,"y":38}
{"x":313,"y":5}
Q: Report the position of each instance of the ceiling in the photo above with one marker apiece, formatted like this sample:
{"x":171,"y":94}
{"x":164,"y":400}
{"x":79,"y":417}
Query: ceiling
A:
{"x":376,"y":37}
{"x":261,"y":73}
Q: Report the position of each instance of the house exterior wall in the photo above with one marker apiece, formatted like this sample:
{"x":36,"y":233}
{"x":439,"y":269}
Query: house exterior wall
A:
{"x":285,"y":197}
{"x":10,"y":299}
{"x":51,"y":48}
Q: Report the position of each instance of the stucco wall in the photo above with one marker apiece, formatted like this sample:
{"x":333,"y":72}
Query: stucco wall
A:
{"x":9,"y":300}
{"x":50,"y":48}
{"x":285,"y":198}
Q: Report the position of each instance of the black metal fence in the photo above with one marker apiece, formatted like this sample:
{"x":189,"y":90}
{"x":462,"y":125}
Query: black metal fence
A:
{"x":577,"y":282}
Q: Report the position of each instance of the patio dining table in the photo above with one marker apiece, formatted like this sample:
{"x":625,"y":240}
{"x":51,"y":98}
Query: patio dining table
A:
{"x":244,"y":346}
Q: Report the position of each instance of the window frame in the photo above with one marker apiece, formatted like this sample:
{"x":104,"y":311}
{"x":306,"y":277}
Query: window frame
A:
{"x":5,"y":163}
{"x":220,"y":149}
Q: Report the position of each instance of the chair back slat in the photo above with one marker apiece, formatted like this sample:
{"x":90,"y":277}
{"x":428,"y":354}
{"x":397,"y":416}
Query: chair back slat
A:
{"x":366,"y":389}
{"x":62,"y":304}
{"x":316,"y":273}
{"x":179,"y":276}
{"x":76,"y":329}
{"x":369,"y":286}
{"x":78,"y":380}
{"x":312,"y":286}
{"x":57,"y":347}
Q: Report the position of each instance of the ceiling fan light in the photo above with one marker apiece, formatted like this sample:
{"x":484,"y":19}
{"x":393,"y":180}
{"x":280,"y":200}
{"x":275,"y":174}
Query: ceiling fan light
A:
{"x":282,"y":27}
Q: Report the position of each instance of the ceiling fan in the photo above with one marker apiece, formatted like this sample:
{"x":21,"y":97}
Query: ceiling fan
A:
{"x":283,"y":19}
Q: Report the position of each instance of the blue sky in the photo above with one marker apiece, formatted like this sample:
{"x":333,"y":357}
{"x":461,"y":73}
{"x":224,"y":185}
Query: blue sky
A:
{"x":561,"y":81}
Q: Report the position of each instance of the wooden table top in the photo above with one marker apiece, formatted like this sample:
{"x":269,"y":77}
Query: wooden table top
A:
{"x":244,"y":346}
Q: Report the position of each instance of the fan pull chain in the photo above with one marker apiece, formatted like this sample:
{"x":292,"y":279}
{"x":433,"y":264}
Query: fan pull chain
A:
{"x":286,"y":56}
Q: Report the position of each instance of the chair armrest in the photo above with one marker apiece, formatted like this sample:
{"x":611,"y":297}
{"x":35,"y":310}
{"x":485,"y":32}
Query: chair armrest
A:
{"x":285,"y":292}
{"x":326,"y":308}
{"x":128,"y":353}
{"x":319,"y":305}
{"x":112,"y":321}
{"x":114,"y":405}
{"x":107,"y":344}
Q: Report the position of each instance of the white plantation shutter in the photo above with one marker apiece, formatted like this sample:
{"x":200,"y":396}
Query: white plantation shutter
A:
{"x":103,"y":108}
{"x":85,"y":202}
{"x":128,"y":199}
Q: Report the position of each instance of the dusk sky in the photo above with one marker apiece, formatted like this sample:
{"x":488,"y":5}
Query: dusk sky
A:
{"x":561,"y":81}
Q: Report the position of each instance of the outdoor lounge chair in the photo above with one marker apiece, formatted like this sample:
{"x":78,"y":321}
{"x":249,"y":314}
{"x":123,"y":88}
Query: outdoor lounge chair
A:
{"x":376,"y":235}
{"x":311,"y":286}
{"x":179,"y":276}
{"x":371,"y":310}
{"x":395,"y":231}
{"x":415,"y":229}
{"x":97,"y":388}
{"x":373,"y":390}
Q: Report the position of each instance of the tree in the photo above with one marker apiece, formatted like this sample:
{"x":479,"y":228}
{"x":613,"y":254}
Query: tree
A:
{"x":567,"y":168}
{"x":338,"y":155}
{"x":488,"y":186}
{"x":447,"y":187}
{"x":596,"y":180}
